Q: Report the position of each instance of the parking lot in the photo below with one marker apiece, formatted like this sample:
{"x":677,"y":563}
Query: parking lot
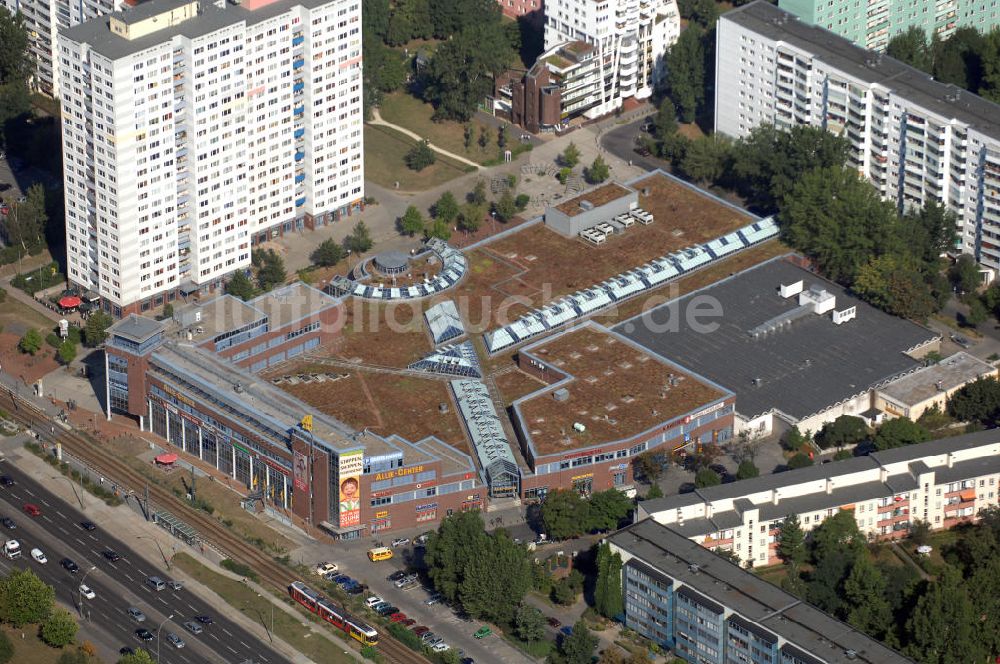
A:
{"x":412,"y":600}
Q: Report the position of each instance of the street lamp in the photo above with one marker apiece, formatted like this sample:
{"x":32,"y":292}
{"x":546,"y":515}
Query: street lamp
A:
{"x":165,"y":621}
{"x":73,"y":486}
{"x":80,"y":589}
{"x":157,"y":542}
{"x":261,"y":617}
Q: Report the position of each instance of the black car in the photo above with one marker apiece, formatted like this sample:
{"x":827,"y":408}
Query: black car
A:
{"x":204,"y":620}
{"x":396,"y":576}
{"x":8,"y":523}
{"x":143,"y":634}
{"x":125,"y":650}
{"x":719,"y":469}
{"x":69,"y":566}
{"x":88,"y":525}
{"x":6,"y":480}
{"x":111,"y":555}
{"x":388,"y":610}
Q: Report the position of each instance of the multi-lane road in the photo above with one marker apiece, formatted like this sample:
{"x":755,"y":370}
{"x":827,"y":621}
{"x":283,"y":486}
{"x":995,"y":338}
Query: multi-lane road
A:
{"x":117,"y":585}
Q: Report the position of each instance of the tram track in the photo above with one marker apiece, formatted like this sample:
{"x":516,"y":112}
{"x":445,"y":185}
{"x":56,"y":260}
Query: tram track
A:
{"x":210,"y":531}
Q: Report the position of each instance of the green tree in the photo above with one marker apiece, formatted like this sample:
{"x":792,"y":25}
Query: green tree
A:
{"x":747,"y":470}
{"x":385,"y":70}
{"x":836,"y":533}
{"x":270,"y":269}
{"x":505,"y":207}
{"x":602,"y":563}
{"x":139,"y":657}
{"x":614,"y":602}
{"x":944,"y":626}
{"x":24,"y":598}
{"x":899,"y":432}
{"x":964,"y":274}
{"x":929,"y":232}
{"x":792,"y":541}
{"x":837,"y":219}
{"x":570,"y":157}
{"x":608,"y":509}
{"x":461,"y":72}
{"x":96,"y":329}
{"x":912,"y":48}
{"x":799,"y":460}
{"x":565,"y":514}
{"x":665,"y":120}
{"x":793,"y":440}
{"x":471,"y":217}
{"x":78,"y":656}
{"x":706,"y":477}
{"x":979,"y":401}
{"x":706,"y":159}
{"x":478,"y":193}
{"x":439,"y":229}
{"x":31,"y":342}
{"x":412,"y":222}
{"x":327,"y":254}
{"x":420,"y":156}
{"x":67,"y":352}
{"x":649,"y":466}
{"x":529,"y":623}
{"x":239,"y":285}
{"x":446,"y":209}
{"x":685,"y":79}
{"x":59,"y":629}
{"x":977,"y":313}
{"x":375,"y":16}
{"x":563,"y":592}
{"x":957,"y":59}
{"x":864,"y":596}
{"x":495,"y":581}
{"x":578,"y":647}
{"x":845,"y":431}
{"x":984,"y":591}
{"x":598,"y":171}
{"x":360,"y":239}
{"x":895,"y":284}
{"x":459,"y":539}
{"x":467,"y":136}
{"x":654,"y":492}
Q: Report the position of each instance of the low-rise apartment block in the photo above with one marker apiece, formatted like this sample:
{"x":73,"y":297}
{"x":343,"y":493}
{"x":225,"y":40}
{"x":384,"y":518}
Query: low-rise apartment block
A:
{"x":942,"y":483}
{"x":917,"y":140}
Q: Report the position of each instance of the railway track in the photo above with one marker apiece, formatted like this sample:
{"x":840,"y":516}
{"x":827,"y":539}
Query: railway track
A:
{"x":209,"y":530}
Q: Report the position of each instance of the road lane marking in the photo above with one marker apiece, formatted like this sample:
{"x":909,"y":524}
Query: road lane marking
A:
{"x":28,"y":491}
{"x":63,"y":530}
{"x":47,"y":518}
{"x":82,"y":543}
{"x":45,"y":502}
{"x":230,"y":650}
{"x":61,"y":515}
{"x":244,"y":644}
{"x":226,"y":631}
{"x":129,"y":577}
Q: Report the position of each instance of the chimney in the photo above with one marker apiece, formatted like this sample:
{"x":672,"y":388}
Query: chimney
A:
{"x":774,"y":496}
{"x":829,"y":486}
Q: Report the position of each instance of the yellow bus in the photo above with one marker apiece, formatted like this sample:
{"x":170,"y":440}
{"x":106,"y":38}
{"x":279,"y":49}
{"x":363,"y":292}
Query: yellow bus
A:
{"x":379,"y":553}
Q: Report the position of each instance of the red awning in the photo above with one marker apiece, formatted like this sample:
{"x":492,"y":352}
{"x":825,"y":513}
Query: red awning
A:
{"x":167,"y":458}
{"x":70,"y":302}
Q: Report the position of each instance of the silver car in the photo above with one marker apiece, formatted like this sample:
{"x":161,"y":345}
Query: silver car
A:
{"x":175,"y":640}
{"x":193,"y":627}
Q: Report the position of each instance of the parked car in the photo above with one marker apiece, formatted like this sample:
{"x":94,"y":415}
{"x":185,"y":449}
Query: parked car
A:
{"x":406,"y":580}
{"x":373,"y":600}
{"x":32,"y":510}
{"x":387,"y":610}
{"x":340,"y":578}
{"x":433,"y":599}
{"x":400,"y":541}
{"x":378,"y":607}
{"x":325,"y":568}
{"x":441,"y":646}
{"x":355,"y":589}
{"x":428,"y":636}
{"x":397,"y":617}
{"x":436,"y":640}
{"x":420,"y":630}
{"x":409,"y":622}
{"x":8,"y":523}
{"x":396,"y":576}
{"x":483,"y":632}
{"x":553,"y":622}
{"x":567,"y":630}
{"x":961,"y":341}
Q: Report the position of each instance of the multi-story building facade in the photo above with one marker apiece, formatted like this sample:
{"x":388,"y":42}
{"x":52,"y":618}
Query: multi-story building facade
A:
{"x":708,"y":610}
{"x":43,"y":19}
{"x":916,"y":139}
{"x":872,"y":24}
{"x":193,"y":130}
{"x":942,"y":483}
{"x":631,"y":38}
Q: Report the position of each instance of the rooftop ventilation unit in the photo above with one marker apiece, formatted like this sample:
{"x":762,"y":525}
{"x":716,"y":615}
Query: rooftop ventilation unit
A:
{"x":844,"y":315}
{"x":790,"y":289}
{"x":694,"y":568}
{"x":586,"y":205}
{"x":562,"y":394}
{"x":850,"y":654}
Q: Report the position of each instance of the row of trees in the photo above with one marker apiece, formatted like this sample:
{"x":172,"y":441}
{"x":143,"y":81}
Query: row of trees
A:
{"x":27,"y":600}
{"x":969,"y":59}
{"x":566,"y":514}
{"x":947,"y":619}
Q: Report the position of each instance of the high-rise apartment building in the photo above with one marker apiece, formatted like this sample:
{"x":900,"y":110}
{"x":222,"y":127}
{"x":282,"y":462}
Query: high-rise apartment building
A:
{"x":43,"y":18}
{"x":193,"y":130}
{"x":631,"y":38}
{"x":916,"y":139}
{"x":873,"y":23}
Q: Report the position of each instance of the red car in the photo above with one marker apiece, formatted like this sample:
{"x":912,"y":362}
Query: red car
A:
{"x":408,"y":622}
{"x":554,"y":623}
{"x":397,"y":617}
{"x":32,"y":509}
{"x":420,"y":630}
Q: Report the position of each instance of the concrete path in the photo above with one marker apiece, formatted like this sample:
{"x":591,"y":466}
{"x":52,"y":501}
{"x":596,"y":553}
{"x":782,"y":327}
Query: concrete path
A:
{"x":403,"y":130}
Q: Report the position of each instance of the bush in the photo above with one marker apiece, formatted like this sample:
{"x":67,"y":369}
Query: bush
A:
{"x":239,"y":568}
{"x":406,"y":637}
{"x":800,"y":460}
{"x":843,"y":454}
{"x":6,"y":649}
{"x":522,"y":201}
{"x":420,"y":156}
{"x":53,"y":340}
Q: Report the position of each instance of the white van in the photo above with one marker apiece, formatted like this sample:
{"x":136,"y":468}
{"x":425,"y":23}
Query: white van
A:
{"x":12,"y":549}
{"x":38,"y":556}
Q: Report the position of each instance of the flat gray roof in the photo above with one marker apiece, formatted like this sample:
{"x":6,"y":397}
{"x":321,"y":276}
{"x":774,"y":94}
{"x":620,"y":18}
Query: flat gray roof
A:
{"x":800,"y":369}
{"x":136,"y":328}
{"x":864,"y":65}
{"x":896,"y":483}
{"x":751,"y":597}
{"x":948,"y":374}
{"x":97,"y":33}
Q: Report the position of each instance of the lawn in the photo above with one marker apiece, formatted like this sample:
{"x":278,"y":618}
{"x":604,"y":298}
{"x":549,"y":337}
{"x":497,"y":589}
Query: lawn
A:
{"x":405,"y":110}
{"x":384,"y":165}
{"x":296,"y":632}
{"x":31,"y":649}
{"x":17,"y":317}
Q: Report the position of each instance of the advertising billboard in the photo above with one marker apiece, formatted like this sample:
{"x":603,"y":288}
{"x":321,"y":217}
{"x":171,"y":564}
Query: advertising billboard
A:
{"x":300,"y":472}
{"x":349,"y":468}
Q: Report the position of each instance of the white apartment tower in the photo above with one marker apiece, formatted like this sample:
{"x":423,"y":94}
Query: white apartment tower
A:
{"x":43,"y":18}
{"x":631,"y":38}
{"x":916,"y":139}
{"x":192,"y":130}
